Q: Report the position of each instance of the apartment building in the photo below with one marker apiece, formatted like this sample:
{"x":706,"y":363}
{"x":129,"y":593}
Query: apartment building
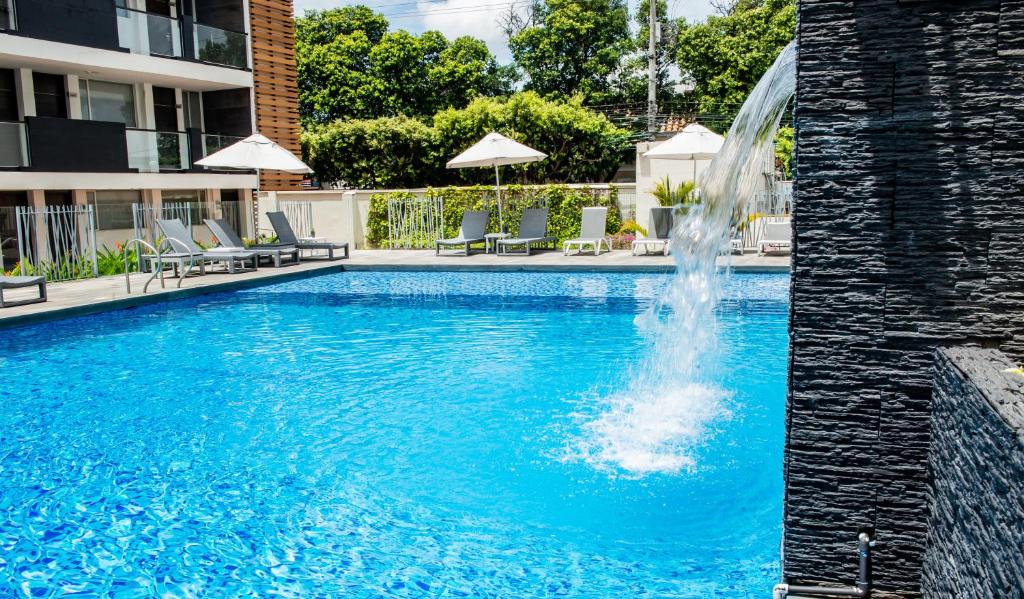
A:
{"x":109,"y":103}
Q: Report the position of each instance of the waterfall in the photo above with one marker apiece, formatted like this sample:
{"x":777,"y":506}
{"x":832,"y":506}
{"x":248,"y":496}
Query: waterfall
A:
{"x":675,"y":392}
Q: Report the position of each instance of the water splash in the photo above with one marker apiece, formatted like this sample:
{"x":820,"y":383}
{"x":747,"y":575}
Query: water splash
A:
{"x":675,"y":393}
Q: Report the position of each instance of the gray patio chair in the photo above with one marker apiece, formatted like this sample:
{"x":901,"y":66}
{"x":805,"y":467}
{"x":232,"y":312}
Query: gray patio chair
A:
{"x":229,"y":240}
{"x":777,"y":238}
{"x":592,"y":232}
{"x":185,"y":250}
{"x":474,"y":225}
{"x":20,"y":283}
{"x":533,"y":229}
{"x":286,"y":236}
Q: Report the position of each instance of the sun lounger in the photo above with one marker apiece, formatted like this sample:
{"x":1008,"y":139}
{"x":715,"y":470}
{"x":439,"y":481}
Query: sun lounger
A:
{"x":661,"y":226}
{"x":185,"y":250}
{"x":287,"y":237}
{"x":21,"y":283}
{"x":777,"y":238}
{"x":533,"y":229}
{"x":592,"y":232}
{"x":230,"y":241}
{"x":474,"y":225}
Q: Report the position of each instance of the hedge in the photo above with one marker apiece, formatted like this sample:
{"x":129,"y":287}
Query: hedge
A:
{"x":565,"y":208}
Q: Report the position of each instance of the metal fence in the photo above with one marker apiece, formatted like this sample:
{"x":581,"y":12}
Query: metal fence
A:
{"x":415,"y":223}
{"x":8,"y":238}
{"x":144,"y":217}
{"x":300,"y":217}
{"x":58,"y":242}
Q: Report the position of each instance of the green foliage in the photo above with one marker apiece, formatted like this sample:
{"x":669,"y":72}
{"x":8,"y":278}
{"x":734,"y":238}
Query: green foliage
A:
{"x":63,"y":269}
{"x":784,"y":150}
{"x":565,"y":208}
{"x":727,"y":55}
{"x":111,"y":262}
{"x":349,"y":66}
{"x":572,"y":47}
{"x":582,"y":146}
{"x":669,"y":195}
{"x":631,"y":227}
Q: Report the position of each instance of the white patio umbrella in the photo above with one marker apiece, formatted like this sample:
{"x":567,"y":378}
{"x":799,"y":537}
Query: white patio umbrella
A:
{"x":256,"y":152}
{"x":496,"y":150}
{"x":695,"y":142}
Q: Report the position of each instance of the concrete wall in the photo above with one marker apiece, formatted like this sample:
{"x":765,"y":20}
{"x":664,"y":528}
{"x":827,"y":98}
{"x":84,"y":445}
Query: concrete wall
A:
{"x":910,"y":174}
{"x":649,"y":172}
{"x":975,"y":546}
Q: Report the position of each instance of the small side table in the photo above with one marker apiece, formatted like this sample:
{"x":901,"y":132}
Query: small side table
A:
{"x":491,"y":241}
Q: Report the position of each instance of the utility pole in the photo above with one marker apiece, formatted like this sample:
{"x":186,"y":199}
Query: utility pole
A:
{"x":652,"y":68}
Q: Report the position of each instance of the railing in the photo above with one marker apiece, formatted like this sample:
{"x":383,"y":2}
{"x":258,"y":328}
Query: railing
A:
{"x":8,"y":238}
{"x":155,"y":151}
{"x":13,"y":144}
{"x":220,"y":46}
{"x":215,"y":142}
{"x":148,"y":33}
{"x":144,"y":217}
{"x":8,"y":15}
{"x":415,"y":223}
{"x":300,"y":216}
{"x":58,"y":242}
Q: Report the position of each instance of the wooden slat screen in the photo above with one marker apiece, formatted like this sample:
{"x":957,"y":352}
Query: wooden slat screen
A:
{"x":276,"y":92}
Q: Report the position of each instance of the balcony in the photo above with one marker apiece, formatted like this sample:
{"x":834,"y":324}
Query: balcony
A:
{"x":155,"y":151}
{"x":214,"y":142}
{"x":13,"y":145}
{"x":148,"y":33}
{"x":220,"y":46}
{"x":8,"y":16}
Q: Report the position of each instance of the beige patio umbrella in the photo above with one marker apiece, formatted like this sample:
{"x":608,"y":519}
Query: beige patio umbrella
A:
{"x":695,"y":142}
{"x":496,"y":150}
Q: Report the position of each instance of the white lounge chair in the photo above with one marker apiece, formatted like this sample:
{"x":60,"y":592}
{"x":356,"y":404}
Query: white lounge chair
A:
{"x":533,"y":229}
{"x":474,"y":225}
{"x":592,"y":232}
{"x":777,"y":238}
{"x":20,"y":283}
{"x":661,"y":226}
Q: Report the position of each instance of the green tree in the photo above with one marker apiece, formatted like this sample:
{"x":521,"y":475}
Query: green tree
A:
{"x":572,"y":47}
{"x":350,"y":66}
{"x":630,"y":81}
{"x":726,"y":56}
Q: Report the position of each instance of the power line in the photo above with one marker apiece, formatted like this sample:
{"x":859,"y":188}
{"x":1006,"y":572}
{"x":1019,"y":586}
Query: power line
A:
{"x":454,"y":10}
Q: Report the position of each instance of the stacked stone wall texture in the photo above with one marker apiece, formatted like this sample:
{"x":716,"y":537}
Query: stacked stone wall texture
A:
{"x":908,"y":236}
{"x":976,"y":495}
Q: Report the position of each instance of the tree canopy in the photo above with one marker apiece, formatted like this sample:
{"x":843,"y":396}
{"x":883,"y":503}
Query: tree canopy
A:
{"x":350,"y":66}
{"x":727,"y":55}
{"x":572,"y":47}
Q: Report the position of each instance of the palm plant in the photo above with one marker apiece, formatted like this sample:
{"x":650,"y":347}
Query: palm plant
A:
{"x":683,"y":194}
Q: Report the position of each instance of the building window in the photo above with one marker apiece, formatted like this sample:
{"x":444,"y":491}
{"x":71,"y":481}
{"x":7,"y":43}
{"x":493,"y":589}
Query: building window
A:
{"x":8,"y":96}
{"x":187,"y":204}
{"x":50,"y":95}
{"x":106,"y":101}
{"x":8,"y":20}
{"x":114,"y":208}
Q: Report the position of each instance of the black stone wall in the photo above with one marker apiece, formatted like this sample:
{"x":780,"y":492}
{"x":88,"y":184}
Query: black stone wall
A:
{"x":908,"y":235}
{"x":976,"y":494}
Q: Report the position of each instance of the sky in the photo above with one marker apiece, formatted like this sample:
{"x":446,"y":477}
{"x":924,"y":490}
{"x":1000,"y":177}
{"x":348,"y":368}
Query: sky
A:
{"x":478,"y":18}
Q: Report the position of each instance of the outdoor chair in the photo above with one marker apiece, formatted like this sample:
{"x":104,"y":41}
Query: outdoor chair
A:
{"x":184,"y":250}
{"x":230,"y":241}
{"x":777,"y":238}
{"x":661,"y":226}
{"x":20,"y":283}
{"x":592,"y":232}
{"x":533,"y":229}
{"x":472,"y":230}
{"x":287,"y":237}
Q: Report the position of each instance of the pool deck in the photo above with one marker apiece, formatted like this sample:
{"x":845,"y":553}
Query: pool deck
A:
{"x":74,"y":298}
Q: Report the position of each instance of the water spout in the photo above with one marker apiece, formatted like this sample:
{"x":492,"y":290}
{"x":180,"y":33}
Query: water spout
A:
{"x":675,"y":392}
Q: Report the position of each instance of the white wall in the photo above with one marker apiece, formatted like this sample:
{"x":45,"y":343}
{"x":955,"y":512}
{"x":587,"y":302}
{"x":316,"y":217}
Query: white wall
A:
{"x":649,"y":172}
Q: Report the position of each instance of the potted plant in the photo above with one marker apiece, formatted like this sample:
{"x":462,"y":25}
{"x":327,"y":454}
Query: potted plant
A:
{"x":674,"y":200}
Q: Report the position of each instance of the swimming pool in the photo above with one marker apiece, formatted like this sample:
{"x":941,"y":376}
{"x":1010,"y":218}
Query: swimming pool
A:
{"x":369,"y":434}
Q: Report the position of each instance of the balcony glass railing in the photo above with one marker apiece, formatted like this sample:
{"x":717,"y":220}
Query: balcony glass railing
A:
{"x":13,"y":145}
{"x":8,"y":16}
{"x":220,"y":46}
{"x":155,"y":151}
{"x":148,"y":33}
{"x":214,"y":142}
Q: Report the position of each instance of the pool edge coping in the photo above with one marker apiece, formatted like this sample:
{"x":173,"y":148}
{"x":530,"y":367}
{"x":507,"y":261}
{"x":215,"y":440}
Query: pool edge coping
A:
{"x":235,"y":285}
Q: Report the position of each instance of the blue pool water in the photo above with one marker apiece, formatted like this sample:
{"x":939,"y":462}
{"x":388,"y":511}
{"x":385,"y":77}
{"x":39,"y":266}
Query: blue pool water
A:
{"x":381,"y":435}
